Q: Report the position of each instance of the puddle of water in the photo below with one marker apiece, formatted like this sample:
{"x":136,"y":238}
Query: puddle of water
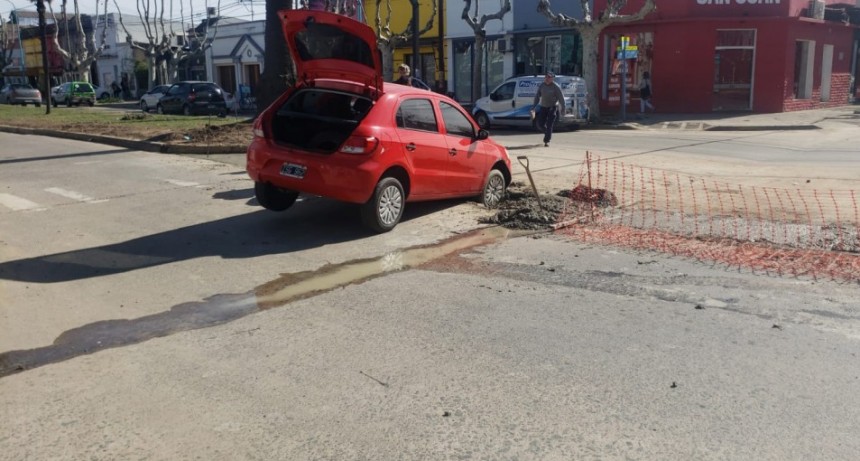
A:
{"x":297,"y":286}
{"x":225,"y":308}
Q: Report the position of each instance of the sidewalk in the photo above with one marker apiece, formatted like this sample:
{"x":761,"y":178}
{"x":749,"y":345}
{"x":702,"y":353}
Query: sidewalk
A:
{"x":731,"y":121}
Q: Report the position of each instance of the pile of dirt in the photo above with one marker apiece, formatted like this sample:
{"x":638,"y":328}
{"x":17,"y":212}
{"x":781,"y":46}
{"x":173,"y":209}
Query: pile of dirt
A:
{"x":234,"y":134}
{"x":521,"y":210}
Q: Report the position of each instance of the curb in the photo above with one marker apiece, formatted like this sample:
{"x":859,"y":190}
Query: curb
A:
{"x":131,"y":144}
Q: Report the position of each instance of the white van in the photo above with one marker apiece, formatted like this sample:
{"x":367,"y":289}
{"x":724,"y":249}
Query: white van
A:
{"x":509,"y":104}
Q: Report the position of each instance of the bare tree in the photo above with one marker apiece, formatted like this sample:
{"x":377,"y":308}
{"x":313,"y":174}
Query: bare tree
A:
{"x":197,"y":40}
{"x":81,"y":54}
{"x":8,"y":41}
{"x":388,"y":40}
{"x":589,"y":29}
{"x":478,"y":26}
{"x":159,"y":43}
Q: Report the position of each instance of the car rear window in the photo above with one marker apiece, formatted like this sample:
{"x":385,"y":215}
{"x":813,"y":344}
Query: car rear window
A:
{"x":417,"y":114}
{"x":322,"y":41}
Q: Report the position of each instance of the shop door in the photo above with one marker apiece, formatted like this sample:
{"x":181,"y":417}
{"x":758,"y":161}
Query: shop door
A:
{"x":733,"y":79}
{"x":733,"y":69}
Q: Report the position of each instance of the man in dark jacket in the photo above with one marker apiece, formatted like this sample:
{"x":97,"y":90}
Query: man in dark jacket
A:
{"x":406,"y":79}
{"x":548,"y":100}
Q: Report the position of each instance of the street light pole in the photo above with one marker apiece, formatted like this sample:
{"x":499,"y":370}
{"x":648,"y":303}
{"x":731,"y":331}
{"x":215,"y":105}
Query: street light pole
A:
{"x":43,"y":39}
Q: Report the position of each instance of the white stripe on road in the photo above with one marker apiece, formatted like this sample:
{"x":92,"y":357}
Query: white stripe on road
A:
{"x":73,"y":195}
{"x":179,"y":183}
{"x":17,"y":203}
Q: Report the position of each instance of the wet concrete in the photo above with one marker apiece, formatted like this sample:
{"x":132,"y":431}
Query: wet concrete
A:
{"x":223,"y":308}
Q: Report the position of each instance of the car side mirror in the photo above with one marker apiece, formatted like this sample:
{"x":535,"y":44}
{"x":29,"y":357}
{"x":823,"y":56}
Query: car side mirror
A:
{"x":482,"y":134}
{"x":494,"y":97}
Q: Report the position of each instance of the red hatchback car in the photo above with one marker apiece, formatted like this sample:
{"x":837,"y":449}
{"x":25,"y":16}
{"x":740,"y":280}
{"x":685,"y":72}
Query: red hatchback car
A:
{"x":341,"y":133}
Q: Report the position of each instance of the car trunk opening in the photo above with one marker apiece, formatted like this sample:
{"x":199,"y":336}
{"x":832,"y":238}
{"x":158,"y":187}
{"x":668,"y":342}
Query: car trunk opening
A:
{"x":318,"y":120}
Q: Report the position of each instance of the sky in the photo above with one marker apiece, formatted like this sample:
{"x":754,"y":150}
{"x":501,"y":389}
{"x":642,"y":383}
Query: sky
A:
{"x":245,"y":9}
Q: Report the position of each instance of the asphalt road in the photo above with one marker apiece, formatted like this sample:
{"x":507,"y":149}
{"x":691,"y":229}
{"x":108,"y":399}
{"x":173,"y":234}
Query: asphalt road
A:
{"x":159,"y":314}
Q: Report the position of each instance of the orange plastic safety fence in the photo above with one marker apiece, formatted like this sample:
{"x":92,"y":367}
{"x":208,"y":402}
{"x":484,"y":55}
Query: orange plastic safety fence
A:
{"x":799,"y":232}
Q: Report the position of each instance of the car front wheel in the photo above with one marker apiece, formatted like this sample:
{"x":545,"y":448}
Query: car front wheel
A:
{"x":494,"y":189}
{"x":483,"y":120}
{"x":143,"y":106}
{"x":274,"y":198}
{"x":186,"y":110}
{"x":385,"y":208}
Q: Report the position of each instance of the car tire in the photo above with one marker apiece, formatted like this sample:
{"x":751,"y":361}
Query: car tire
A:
{"x":38,"y":104}
{"x":186,"y":110}
{"x":495,"y":189}
{"x":160,"y":109}
{"x":274,"y":198}
{"x":54,"y":102}
{"x":143,"y":106}
{"x":385,"y":208}
{"x":483,"y":120}
{"x":69,"y":102}
{"x":91,"y":103}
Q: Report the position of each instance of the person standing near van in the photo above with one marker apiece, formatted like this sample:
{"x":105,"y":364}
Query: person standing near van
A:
{"x":406,"y":79}
{"x":645,"y":93}
{"x":548,"y":100}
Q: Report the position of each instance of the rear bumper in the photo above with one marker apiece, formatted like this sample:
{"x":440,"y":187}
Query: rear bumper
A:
{"x":336,"y":176}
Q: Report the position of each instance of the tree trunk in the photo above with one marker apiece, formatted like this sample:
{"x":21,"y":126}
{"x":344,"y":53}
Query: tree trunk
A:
{"x":277,"y":64}
{"x":590,"y":36}
{"x":478,"y":66}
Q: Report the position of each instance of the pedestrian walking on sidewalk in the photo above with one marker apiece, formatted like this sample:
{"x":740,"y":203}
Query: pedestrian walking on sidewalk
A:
{"x":548,"y":100}
{"x":645,"y":93}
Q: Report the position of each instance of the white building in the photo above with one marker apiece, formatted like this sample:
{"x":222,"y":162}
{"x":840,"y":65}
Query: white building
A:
{"x":235,"y":59}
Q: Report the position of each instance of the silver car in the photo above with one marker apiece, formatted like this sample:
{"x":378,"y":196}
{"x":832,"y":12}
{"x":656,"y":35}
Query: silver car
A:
{"x":20,"y":93}
{"x":149,"y":100}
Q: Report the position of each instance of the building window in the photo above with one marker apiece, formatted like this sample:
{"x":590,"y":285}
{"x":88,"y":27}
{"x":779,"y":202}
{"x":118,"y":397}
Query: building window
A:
{"x":804,"y":58}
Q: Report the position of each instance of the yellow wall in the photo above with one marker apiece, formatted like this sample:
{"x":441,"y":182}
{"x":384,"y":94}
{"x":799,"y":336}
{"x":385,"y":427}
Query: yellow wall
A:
{"x":401,"y":14}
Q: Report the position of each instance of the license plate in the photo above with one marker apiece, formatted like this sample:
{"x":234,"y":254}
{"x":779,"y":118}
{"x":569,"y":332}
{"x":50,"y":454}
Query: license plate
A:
{"x":211,"y":106}
{"x":294,"y":171}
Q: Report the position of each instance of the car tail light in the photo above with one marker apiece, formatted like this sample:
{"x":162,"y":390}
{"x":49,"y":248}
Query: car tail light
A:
{"x":359,"y":145}
{"x":258,"y":128}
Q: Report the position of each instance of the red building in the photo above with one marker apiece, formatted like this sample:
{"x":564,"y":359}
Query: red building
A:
{"x":734,"y":55}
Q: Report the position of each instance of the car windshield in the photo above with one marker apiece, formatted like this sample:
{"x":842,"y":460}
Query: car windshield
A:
{"x":21,"y":86}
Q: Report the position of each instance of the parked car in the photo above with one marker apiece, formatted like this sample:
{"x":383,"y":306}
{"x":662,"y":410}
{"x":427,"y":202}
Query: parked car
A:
{"x":103,"y":92}
{"x":20,"y":93}
{"x":73,"y":94}
{"x":509,"y":103}
{"x":193,"y":97}
{"x":150,"y":99}
{"x":342,"y":133}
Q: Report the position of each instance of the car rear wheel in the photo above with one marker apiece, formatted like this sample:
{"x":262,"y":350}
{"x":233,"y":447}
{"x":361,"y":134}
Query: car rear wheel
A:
{"x":38,"y":104}
{"x":186,"y":110}
{"x":494,"y":189}
{"x":159,"y":109}
{"x":483,"y":120}
{"x":385,"y":208}
{"x":274,"y":198}
{"x":69,"y":102}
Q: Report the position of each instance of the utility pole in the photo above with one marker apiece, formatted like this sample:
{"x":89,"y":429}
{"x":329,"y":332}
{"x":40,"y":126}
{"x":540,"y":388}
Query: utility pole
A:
{"x":43,"y":39}
{"x":416,"y":58}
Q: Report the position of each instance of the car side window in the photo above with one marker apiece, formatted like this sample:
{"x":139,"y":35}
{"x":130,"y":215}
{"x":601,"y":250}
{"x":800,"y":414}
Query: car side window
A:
{"x":506,"y":91}
{"x":176,"y":89}
{"x":417,"y":114}
{"x":456,"y":122}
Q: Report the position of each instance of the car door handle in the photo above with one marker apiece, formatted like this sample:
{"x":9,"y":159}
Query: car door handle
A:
{"x":452,"y":152}
{"x":410,"y":147}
